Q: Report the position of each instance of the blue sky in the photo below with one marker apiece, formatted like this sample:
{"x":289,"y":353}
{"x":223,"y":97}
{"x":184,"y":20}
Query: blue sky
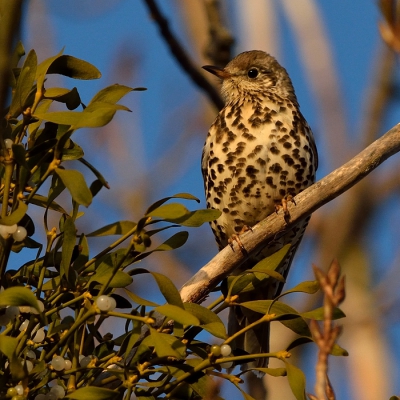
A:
{"x":104,"y":32}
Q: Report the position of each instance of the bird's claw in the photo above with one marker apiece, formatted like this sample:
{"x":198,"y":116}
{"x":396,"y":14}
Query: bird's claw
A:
{"x":284,"y":206}
{"x":236,"y":238}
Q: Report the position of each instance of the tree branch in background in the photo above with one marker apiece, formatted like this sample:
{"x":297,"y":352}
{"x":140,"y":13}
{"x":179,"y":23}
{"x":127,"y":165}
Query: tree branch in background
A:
{"x":333,"y":288}
{"x":314,"y":197}
{"x":219,"y":48}
{"x":181,"y":55}
{"x":10,"y":22}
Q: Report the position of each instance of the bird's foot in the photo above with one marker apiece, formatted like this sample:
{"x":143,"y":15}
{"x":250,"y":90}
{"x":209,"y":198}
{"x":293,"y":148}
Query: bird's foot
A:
{"x":236,"y":238}
{"x":283,"y":204}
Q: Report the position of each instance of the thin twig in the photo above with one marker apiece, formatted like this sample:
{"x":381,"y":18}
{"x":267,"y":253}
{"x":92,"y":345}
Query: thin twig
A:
{"x":220,"y":42}
{"x":181,"y":55}
{"x":332,"y":285}
{"x":314,"y":197}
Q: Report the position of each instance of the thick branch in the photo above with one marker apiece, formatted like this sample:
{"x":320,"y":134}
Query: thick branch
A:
{"x":181,"y":56}
{"x":323,"y":191}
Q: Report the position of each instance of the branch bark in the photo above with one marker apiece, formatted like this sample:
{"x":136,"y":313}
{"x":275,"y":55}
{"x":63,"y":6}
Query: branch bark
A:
{"x":182,"y":56}
{"x":314,"y":197}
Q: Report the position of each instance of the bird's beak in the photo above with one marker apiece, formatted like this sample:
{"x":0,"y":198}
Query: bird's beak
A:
{"x":220,"y":72}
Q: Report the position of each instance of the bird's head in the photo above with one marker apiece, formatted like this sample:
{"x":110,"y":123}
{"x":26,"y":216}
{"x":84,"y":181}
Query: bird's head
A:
{"x":253,"y":73}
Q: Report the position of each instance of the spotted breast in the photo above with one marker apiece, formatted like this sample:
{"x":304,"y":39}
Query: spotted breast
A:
{"x":259,"y":151}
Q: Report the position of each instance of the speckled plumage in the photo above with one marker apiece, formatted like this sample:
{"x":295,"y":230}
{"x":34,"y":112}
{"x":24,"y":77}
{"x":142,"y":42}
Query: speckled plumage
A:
{"x":258,"y":151}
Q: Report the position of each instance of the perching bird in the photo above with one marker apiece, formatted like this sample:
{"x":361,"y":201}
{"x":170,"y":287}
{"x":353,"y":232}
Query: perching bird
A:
{"x":259,"y":152}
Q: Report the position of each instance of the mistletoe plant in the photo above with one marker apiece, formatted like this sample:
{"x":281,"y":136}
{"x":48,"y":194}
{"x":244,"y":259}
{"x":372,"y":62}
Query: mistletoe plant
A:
{"x":53,"y":307}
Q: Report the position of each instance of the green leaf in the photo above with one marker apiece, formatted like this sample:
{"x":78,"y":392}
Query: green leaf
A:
{"x":69,"y":240}
{"x":288,"y":316}
{"x":71,"y":97}
{"x":92,"y":392}
{"x":339,"y":351}
{"x":8,"y":345}
{"x":18,"y":296}
{"x":309,"y":287}
{"x":177,"y":314}
{"x":209,"y":321}
{"x":42,"y":69}
{"x":254,"y":278}
{"x":83,"y":256}
{"x":74,"y":152}
{"x":272,"y":262}
{"x":158,"y":203}
{"x":168,"y":289}
{"x":299,"y":342}
{"x":174,"y":242}
{"x":167,"y":345}
{"x":116,"y":228}
{"x":111,"y":94}
{"x":18,"y":53}
{"x":69,"y":118}
{"x":139,"y":300}
{"x":41,"y":109}
{"x":318,"y":314}
{"x":73,"y":68}
{"x":24,"y":84}
{"x":104,"y":271}
{"x":16,"y":215}
{"x":270,"y":371}
{"x":56,"y":188}
{"x":19,"y":154}
{"x":197,"y":218}
{"x":97,"y":173}
{"x":75,"y":183}
{"x":169,"y":211}
{"x":177,"y":213}
{"x":42,"y":201}
{"x":297,"y":381}
{"x":273,"y":274}
{"x":52,"y":284}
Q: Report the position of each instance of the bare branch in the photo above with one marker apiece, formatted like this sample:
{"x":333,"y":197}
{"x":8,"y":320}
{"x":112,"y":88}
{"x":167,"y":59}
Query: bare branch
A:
{"x":325,"y":336}
{"x":314,"y":197}
{"x":10,"y":27}
{"x":220,"y":41}
{"x":181,"y":55}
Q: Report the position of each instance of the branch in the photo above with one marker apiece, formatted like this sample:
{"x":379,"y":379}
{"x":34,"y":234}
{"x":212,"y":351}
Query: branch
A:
{"x":325,"y":335}
{"x":181,"y":56}
{"x":220,"y":41}
{"x":10,"y":20}
{"x":314,"y":197}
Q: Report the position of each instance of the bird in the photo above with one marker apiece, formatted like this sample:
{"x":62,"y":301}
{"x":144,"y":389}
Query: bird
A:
{"x":259,"y":153}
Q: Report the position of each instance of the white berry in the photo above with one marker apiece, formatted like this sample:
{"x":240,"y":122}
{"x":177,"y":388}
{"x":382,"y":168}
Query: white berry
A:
{"x":58,"y":391}
{"x":12,"y":312}
{"x":29,"y":365}
{"x":58,"y":363}
{"x":85,"y":361}
{"x":7,"y":230}
{"x":40,"y":335}
{"x":24,"y":325}
{"x":31,"y":354}
{"x":226,"y":350}
{"x":105,"y":303}
{"x":8,"y":143}
{"x":68,"y":365}
{"x":20,"y":234}
{"x":19,"y":389}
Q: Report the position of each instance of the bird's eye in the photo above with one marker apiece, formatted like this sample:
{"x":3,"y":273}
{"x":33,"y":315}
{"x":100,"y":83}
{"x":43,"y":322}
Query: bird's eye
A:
{"x":252,"y":73}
